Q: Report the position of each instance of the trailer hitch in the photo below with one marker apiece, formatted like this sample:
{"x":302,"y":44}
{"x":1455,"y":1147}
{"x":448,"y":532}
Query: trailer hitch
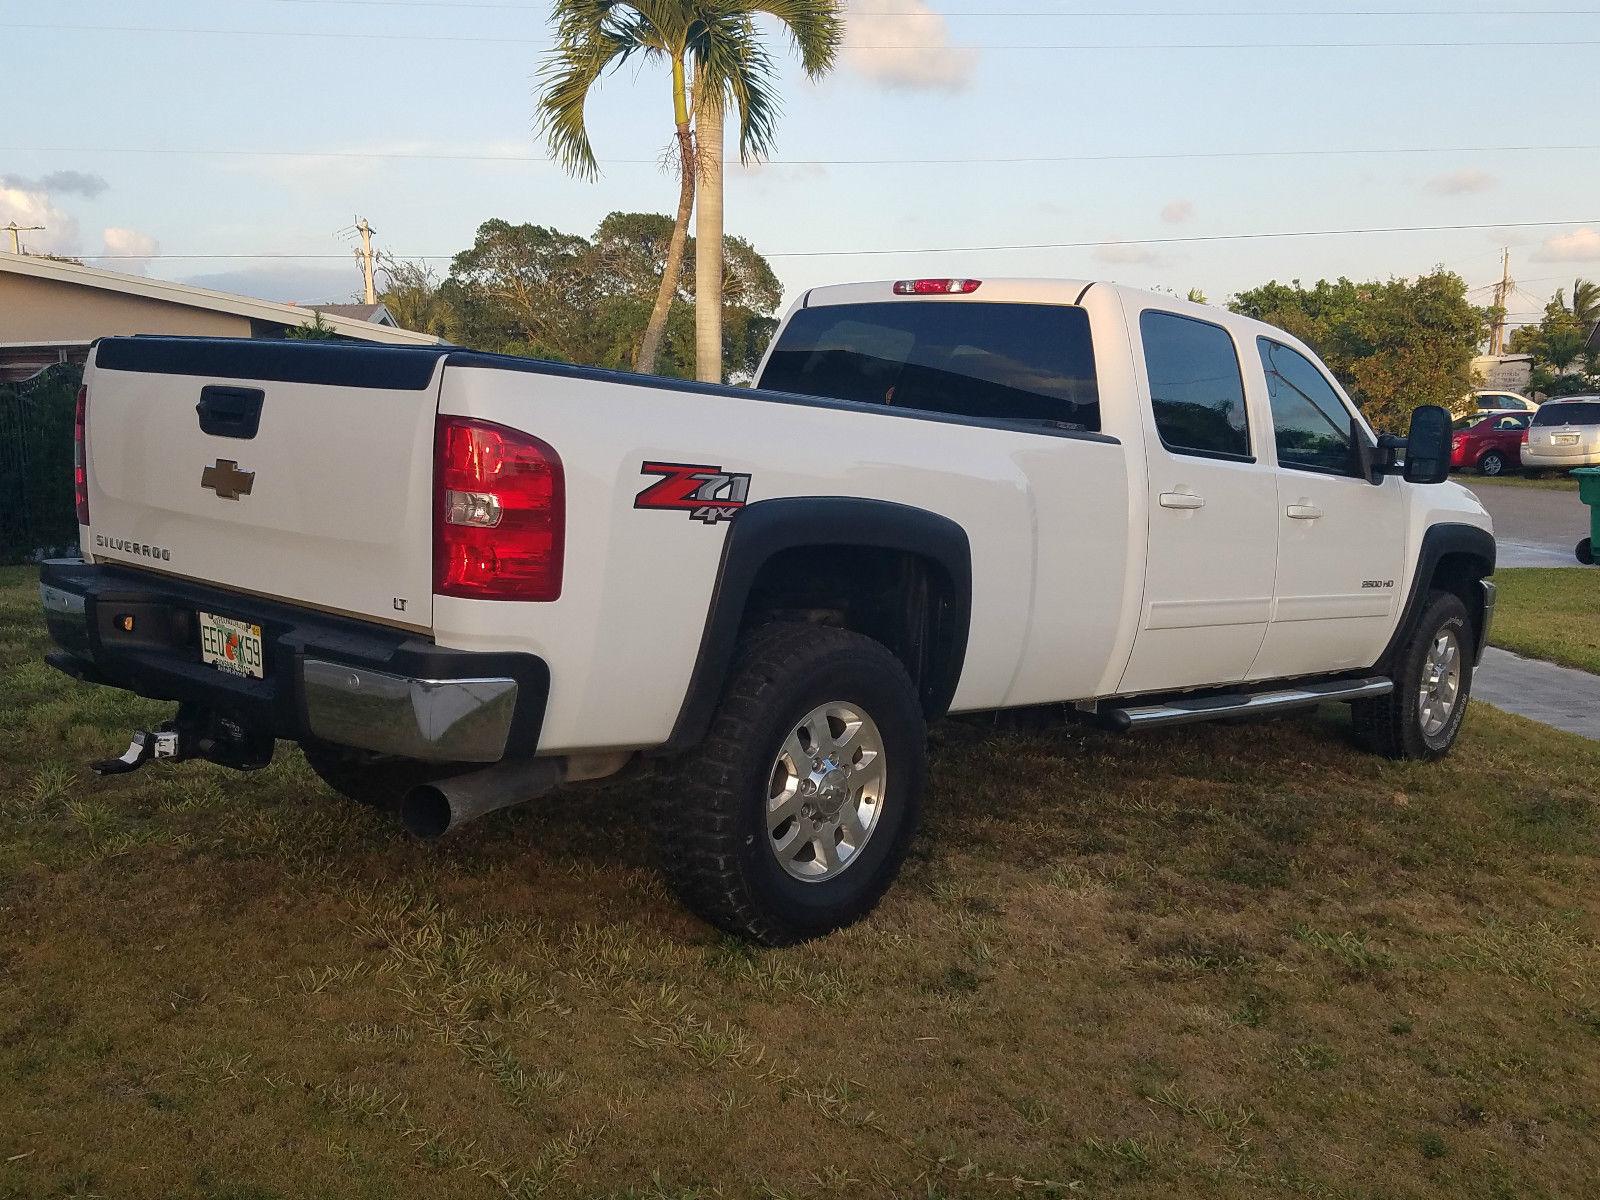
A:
{"x":148,"y":744}
{"x":195,"y":732}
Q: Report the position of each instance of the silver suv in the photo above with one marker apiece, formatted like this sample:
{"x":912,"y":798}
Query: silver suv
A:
{"x":1565,"y":433}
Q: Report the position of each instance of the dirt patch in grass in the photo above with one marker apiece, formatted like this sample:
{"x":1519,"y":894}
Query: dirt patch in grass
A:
{"x":1217,"y":962}
{"x":1551,"y":613}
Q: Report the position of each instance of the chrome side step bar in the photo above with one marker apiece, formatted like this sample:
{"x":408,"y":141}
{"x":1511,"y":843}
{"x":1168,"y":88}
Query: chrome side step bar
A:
{"x":1185,"y":711}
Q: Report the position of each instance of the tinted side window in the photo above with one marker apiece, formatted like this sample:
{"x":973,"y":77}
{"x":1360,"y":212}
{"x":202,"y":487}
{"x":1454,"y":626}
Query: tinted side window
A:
{"x":1195,"y":386}
{"x":1309,"y":421}
{"x":1014,"y":362}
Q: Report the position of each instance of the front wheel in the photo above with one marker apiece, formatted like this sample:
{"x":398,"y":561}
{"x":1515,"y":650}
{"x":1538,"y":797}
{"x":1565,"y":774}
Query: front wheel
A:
{"x":1492,"y":464}
{"x":792,"y":819}
{"x":1421,"y":718}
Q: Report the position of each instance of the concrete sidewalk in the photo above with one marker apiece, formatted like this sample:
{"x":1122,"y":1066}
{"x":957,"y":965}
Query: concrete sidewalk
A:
{"x":1540,"y":691}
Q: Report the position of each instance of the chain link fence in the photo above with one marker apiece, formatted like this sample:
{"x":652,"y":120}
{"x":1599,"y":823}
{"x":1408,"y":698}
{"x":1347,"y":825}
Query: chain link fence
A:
{"x":37,"y":518}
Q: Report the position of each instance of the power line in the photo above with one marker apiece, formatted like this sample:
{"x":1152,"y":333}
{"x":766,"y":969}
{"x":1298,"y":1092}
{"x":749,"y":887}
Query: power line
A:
{"x":427,"y":156}
{"x":1086,"y":245}
{"x":544,"y":44}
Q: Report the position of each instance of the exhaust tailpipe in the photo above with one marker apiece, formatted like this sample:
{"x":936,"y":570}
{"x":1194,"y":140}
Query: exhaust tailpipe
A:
{"x":435,"y":809}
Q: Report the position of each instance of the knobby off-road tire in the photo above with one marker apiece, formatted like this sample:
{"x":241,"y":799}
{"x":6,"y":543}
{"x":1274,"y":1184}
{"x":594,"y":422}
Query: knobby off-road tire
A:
{"x":375,"y":780}
{"x":1432,"y":685}
{"x":727,"y":847}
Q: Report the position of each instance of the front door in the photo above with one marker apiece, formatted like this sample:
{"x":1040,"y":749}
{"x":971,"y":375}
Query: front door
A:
{"x":1341,"y":538}
{"x":1212,"y":503}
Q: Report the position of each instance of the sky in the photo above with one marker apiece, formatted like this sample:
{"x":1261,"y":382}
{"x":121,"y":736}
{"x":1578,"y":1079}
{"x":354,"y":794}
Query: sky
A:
{"x":164,"y":130}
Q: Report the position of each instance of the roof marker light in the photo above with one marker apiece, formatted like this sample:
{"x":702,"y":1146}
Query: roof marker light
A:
{"x":937,"y":287}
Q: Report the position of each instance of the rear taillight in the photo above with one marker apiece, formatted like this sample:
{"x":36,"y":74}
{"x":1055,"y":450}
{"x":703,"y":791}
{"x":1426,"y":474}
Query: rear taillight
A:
{"x":499,"y":526}
{"x":80,"y":456}
{"x":937,"y":287}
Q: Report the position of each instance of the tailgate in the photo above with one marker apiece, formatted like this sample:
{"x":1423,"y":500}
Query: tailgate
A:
{"x":300,"y":471}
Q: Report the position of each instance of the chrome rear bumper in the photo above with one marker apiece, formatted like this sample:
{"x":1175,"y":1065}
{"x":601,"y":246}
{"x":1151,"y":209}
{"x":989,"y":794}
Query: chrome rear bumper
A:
{"x":445,"y":720}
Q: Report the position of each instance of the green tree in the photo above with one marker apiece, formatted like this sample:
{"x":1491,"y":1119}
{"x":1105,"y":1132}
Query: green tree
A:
{"x":315,"y":330}
{"x":733,"y":66}
{"x":524,"y":289}
{"x":1394,"y":344}
{"x":415,"y":298}
{"x":1562,"y":364}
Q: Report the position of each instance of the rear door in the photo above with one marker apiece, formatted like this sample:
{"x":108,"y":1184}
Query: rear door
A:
{"x":1213,"y":535}
{"x":1341,"y":539}
{"x":295,"y":471}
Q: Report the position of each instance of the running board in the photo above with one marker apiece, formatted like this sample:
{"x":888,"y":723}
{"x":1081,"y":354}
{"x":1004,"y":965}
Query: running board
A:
{"x":1184,"y":711}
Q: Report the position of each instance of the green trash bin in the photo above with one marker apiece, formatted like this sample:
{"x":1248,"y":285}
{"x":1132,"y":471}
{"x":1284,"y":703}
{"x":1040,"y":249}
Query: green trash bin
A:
{"x":1589,"y":492}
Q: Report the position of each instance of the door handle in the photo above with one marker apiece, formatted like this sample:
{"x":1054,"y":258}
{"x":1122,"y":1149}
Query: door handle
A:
{"x":1186,"y":500}
{"x":1304,"y":512}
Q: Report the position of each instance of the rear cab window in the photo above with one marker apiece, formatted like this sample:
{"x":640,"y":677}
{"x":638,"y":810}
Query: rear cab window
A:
{"x":1196,"y":387}
{"x":1014,"y":363}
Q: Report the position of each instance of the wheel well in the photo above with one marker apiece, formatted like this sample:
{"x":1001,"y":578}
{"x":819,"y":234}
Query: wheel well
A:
{"x":1459,"y":573}
{"x":906,"y":601}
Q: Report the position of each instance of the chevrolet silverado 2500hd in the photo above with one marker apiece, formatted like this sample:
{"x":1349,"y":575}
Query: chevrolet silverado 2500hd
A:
{"x":463,"y":579}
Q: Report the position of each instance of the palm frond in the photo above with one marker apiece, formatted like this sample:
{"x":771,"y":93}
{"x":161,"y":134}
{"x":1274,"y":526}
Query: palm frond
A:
{"x":592,"y":36}
{"x":816,"y":27}
{"x":733,"y":64}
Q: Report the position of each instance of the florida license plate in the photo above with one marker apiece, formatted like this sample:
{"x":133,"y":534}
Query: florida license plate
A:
{"x":231,"y":646}
{"x":1563,"y":439}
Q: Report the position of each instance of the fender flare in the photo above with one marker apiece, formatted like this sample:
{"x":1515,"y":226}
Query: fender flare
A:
{"x":1438,"y":541}
{"x":769,"y":527}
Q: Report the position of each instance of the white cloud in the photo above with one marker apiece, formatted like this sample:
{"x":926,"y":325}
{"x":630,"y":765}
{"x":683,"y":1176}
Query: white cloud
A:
{"x":1176,"y":212}
{"x":905,"y":44}
{"x":1128,"y":255}
{"x":1581,"y":245}
{"x":72,"y":183}
{"x":1461,"y":183}
{"x":33,"y":206}
{"x":123,"y":243}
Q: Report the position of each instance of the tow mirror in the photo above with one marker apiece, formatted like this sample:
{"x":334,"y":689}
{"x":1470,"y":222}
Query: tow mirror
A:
{"x":1428,"y":446}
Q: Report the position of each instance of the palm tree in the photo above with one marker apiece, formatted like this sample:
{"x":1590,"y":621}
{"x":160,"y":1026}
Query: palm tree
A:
{"x":591,"y":37}
{"x":736,"y":66}
{"x":1586,"y":303}
{"x":714,"y":42}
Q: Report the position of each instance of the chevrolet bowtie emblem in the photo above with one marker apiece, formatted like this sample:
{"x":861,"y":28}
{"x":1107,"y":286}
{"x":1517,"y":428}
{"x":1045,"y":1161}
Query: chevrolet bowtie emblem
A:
{"x":226,"y":480}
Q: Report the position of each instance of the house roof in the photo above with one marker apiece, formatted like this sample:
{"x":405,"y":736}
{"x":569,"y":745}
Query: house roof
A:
{"x":375,"y":313}
{"x":363,"y":329}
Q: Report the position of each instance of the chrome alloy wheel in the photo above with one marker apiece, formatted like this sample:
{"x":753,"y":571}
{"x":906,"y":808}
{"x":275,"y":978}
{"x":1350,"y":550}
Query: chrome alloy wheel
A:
{"x":1441,"y":683}
{"x":825,"y":792}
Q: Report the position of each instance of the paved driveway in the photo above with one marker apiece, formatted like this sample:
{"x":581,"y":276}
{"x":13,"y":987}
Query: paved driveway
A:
{"x":1533,"y":527}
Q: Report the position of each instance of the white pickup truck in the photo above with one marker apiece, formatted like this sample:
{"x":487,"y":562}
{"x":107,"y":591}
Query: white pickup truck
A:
{"x":462,"y":579}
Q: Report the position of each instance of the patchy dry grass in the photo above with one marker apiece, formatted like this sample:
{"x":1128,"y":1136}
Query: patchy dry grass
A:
{"x":1551,"y":613}
{"x":1550,"y":481}
{"x":1215,"y":963}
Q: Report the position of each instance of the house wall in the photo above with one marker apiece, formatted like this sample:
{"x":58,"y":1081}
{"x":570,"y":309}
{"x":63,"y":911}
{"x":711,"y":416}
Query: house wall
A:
{"x":47,"y":310}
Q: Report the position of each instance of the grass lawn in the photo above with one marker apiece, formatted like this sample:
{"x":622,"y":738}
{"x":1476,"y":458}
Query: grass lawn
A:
{"x":1548,"y":483}
{"x":1551,"y":613}
{"x":1219,"y":962}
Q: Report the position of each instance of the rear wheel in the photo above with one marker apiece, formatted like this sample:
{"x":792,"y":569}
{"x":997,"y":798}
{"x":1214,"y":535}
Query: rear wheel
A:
{"x":1586,"y":552}
{"x":1432,"y":684}
{"x":1492,"y":464}
{"x":792,"y":818}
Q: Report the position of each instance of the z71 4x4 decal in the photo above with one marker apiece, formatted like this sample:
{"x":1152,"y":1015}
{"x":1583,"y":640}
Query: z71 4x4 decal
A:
{"x":707,"y":494}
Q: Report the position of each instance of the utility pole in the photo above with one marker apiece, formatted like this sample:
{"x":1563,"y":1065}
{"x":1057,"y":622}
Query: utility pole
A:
{"x":1502,"y":299}
{"x":365,"y":255}
{"x":15,"y":230}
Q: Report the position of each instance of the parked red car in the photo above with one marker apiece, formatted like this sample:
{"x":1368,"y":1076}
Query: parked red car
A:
{"x":1491,"y":442}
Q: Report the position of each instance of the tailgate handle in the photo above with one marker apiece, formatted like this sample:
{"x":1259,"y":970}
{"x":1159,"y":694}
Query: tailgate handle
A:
{"x":231,"y":412}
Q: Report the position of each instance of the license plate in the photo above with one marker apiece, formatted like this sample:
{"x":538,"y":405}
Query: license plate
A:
{"x":1563,"y":439}
{"x":231,"y":646}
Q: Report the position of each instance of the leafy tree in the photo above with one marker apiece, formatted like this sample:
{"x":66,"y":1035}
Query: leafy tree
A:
{"x":1562,"y":365}
{"x":531,"y":290}
{"x":1394,"y":344}
{"x":733,"y":65}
